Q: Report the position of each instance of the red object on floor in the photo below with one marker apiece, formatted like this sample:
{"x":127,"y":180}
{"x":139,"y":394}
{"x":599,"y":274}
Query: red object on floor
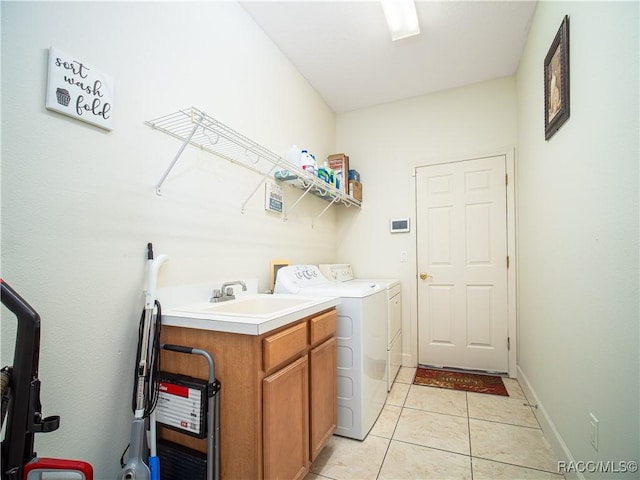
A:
{"x":469,"y":382}
{"x":34,"y":469}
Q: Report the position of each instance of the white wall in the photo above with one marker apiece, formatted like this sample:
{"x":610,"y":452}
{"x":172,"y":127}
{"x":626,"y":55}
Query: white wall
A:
{"x":578,"y":233}
{"x":79,"y":206}
{"x":385,"y":143}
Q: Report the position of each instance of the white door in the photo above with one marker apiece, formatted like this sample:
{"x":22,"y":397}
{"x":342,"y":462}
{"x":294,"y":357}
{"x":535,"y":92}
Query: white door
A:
{"x":462,"y":264}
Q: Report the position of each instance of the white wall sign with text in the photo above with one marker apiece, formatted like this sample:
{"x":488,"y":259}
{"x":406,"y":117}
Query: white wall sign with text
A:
{"x":79,"y":90}
{"x":273,"y":197}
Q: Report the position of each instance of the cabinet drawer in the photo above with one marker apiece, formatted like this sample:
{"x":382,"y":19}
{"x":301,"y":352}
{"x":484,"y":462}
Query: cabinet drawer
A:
{"x":282,"y":346}
{"x":322,"y":326}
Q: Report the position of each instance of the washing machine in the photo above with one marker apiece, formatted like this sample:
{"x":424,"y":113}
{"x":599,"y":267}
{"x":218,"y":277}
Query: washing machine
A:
{"x":361,"y":343}
{"x":342,"y":272}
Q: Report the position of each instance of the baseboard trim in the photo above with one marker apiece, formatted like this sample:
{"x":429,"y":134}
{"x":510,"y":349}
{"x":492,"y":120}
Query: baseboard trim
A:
{"x":549,"y":429}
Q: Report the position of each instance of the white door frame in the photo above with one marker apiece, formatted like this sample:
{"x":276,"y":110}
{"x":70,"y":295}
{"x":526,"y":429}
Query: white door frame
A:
{"x":411,"y":356}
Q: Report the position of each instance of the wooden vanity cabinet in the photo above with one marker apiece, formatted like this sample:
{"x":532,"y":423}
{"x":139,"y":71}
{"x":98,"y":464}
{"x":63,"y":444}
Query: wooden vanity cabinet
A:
{"x":278,"y":397}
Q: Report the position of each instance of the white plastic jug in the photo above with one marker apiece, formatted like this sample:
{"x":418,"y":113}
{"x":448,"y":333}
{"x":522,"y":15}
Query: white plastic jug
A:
{"x":293,"y":156}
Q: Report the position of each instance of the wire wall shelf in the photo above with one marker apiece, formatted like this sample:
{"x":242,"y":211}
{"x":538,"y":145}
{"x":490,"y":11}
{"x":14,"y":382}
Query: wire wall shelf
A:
{"x":194,"y":127}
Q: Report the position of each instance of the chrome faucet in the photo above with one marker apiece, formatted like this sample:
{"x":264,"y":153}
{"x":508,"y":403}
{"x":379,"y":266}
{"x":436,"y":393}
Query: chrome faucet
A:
{"x":225,"y":292}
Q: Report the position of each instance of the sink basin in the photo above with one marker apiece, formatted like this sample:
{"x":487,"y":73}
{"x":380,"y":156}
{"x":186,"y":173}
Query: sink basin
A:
{"x":253,"y":306}
{"x":249,"y":314}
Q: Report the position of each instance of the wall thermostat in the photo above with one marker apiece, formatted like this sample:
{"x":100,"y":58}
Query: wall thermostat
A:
{"x":399,"y":225}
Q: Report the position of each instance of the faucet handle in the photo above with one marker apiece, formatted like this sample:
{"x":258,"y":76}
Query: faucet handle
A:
{"x":228,"y":292}
{"x":217,"y":293}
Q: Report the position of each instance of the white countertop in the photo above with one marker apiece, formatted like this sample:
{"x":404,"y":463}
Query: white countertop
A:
{"x":188,"y":316}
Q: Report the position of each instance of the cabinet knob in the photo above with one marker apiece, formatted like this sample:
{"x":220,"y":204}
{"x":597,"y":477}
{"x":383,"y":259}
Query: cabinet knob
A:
{"x":424,"y":276}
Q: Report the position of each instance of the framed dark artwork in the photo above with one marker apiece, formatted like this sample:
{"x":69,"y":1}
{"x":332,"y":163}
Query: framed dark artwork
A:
{"x":556,"y":81}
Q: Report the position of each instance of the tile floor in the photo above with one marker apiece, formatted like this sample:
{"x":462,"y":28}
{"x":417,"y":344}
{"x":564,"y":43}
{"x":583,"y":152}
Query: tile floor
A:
{"x":433,"y":433}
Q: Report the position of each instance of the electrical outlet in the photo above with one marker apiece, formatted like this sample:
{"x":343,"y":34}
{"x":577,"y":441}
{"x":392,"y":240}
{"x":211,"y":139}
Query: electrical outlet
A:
{"x":595,"y":427}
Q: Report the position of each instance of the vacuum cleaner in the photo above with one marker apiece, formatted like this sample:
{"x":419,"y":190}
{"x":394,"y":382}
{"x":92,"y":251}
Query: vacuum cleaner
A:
{"x":21,"y":403}
{"x":145,"y":391}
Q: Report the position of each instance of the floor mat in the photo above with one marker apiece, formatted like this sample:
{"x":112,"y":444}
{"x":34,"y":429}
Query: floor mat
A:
{"x":469,"y":382}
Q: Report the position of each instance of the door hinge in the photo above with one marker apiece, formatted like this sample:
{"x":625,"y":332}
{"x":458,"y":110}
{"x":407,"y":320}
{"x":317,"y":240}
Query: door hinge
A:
{"x":507,"y":261}
{"x":506,"y":179}
{"x":508,"y":343}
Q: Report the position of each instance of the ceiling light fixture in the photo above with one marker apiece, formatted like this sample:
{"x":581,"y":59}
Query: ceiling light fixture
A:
{"x":401,"y":17}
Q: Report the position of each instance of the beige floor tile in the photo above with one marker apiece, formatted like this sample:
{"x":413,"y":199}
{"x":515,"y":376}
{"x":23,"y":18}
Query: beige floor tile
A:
{"x":513,"y":388}
{"x":313,"y":476}
{"x":514,"y":411}
{"x":511,"y":444}
{"x":488,"y":470}
{"x":347,"y":459}
{"x":398,"y":394}
{"x":406,"y":461}
{"x":387,"y":421}
{"x":445,"y":432}
{"x":406,"y":375}
{"x":440,"y":400}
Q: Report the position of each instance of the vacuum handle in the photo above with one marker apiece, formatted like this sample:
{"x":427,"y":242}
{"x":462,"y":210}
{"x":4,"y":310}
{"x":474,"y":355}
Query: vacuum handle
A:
{"x":177,"y":348}
{"x":18,"y":305}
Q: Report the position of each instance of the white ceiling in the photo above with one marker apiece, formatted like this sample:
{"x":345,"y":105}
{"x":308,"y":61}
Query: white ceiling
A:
{"x":344,"y":49}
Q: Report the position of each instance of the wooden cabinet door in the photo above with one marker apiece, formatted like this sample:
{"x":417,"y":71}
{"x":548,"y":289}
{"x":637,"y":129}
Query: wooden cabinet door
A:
{"x":323,"y":395}
{"x":286,"y":422}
